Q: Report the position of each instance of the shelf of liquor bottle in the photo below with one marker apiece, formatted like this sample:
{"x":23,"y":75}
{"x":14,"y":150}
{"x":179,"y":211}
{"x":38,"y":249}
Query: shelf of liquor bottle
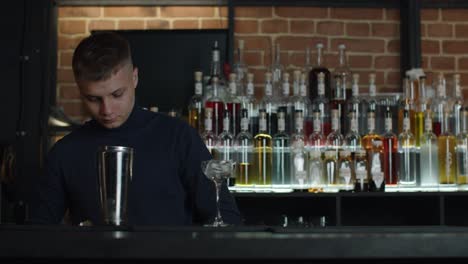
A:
{"x":354,"y":208}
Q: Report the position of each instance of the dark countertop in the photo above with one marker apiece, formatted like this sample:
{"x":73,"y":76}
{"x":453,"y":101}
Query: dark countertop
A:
{"x":61,"y":243}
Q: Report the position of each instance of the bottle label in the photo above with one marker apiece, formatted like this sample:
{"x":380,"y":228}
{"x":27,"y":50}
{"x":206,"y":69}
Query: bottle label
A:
{"x":198,"y":88}
{"x":371,"y":123}
{"x":262,"y":124}
{"x":268,"y":89}
{"x":355,"y":90}
{"x":250,"y":89}
{"x":244,"y":123}
{"x":226,"y":124}
{"x":406,"y":124}
{"x":317,"y":125}
{"x":285,"y":88}
{"x":388,"y":124}
{"x":299,"y":123}
{"x":232,"y":88}
{"x":458,"y":91}
{"x":372,"y":90}
{"x":216,"y":55}
{"x":281,"y":125}
{"x":303,"y":90}
{"x":441,"y":90}
{"x":428,"y":124}
{"x":321,"y":89}
{"x":335,"y":123}
{"x":208,"y":124}
{"x":299,"y":162}
{"x":353,"y":124}
{"x":345,"y":172}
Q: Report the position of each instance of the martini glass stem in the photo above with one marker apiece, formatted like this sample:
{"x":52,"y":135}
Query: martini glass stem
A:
{"x":218,"y":219}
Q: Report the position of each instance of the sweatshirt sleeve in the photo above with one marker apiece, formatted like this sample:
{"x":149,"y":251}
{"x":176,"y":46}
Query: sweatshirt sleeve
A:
{"x":201,"y":190}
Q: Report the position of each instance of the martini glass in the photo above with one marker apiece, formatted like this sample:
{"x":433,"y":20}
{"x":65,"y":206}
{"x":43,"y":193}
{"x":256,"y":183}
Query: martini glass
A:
{"x":217,"y":171}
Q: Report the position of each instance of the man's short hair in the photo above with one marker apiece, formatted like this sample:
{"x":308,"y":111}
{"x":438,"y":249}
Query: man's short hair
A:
{"x":100,"y":55}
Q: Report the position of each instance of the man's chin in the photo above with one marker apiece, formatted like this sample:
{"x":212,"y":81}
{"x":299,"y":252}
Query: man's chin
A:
{"x":110,"y":125}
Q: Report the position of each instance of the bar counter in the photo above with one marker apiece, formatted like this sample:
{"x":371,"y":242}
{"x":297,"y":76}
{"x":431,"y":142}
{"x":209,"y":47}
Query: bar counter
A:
{"x":429,"y":244}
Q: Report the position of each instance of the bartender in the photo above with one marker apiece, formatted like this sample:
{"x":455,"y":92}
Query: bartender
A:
{"x":168,"y":186}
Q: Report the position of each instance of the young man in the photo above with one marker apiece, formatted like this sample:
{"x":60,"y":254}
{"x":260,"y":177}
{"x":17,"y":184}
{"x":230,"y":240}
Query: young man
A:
{"x":167,"y":187}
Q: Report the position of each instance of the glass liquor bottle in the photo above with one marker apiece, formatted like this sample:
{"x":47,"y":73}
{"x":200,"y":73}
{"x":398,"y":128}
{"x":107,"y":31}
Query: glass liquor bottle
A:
{"x":299,"y":154}
{"x":373,"y":105}
{"x":429,"y":162}
{"x":420,"y":111}
{"x":352,"y":138}
{"x":439,"y":105}
{"x":277,"y":71}
{"x":406,"y":155}
{"x":462,"y":152}
{"x":225,"y":145}
{"x":318,"y":180}
{"x":377,"y":167}
{"x":281,"y":171}
{"x":356,"y":105}
{"x":361,"y":183}
{"x":447,"y":157}
{"x":346,"y":173}
{"x":306,"y":105}
{"x":343,"y":72}
{"x":269,"y":105}
{"x":406,"y":104}
{"x":390,"y":148}
{"x":233,"y":104}
{"x":335,"y":138}
{"x":317,"y":140}
{"x":284,"y":102}
{"x":250,"y":103}
{"x":263,"y":153}
{"x":457,"y":104}
{"x":313,"y":74}
{"x":208,"y":137}
{"x":215,"y":103}
{"x":239,"y":68}
{"x":371,"y":136}
{"x":339,"y":102}
{"x":331,"y":170}
{"x":215,"y":72}
{"x":321,"y":104}
{"x":244,"y":150}
{"x":195,"y":108}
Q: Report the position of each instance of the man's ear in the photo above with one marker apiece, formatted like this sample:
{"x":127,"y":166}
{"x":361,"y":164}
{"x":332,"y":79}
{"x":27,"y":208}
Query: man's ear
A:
{"x":135,"y":77}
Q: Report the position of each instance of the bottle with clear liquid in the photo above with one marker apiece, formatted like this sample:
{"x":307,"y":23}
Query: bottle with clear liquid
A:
{"x":357,"y":105}
{"x":352,"y":138}
{"x":319,"y":67}
{"x":285,"y":103}
{"x":195,"y":108}
{"x":377,"y":167}
{"x":390,"y":150}
{"x":343,"y":72}
{"x":335,"y":138}
{"x":317,"y":179}
{"x":225,"y":145}
{"x":439,"y":105}
{"x":406,"y":155}
{"x":462,"y":152}
{"x":406,"y":104}
{"x":263,"y":149}
{"x":346,"y":173}
{"x":317,"y":140}
{"x":216,"y":72}
{"x":270,"y":105}
{"x":457,"y":105}
{"x":373,"y":105}
{"x":233,"y":105}
{"x":215,"y":103}
{"x":245,"y":156}
{"x":249,"y":103}
{"x":277,"y":71}
{"x":299,"y":155}
{"x":339,"y":102}
{"x":361,"y":183}
{"x":281,"y":170}
{"x":331,"y":170}
{"x":239,"y":68}
{"x":429,"y":162}
{"x":447,"y":157}
{"x":208,"y":137}
{"x":303,"y":103}
{"x":322,"y":104}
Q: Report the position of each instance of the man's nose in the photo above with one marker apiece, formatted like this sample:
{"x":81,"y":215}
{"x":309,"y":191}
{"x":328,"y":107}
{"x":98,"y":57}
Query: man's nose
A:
{"x":105,"y":108}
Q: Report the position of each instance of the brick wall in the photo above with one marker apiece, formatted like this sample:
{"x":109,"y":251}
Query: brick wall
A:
{"x":371,"y":37}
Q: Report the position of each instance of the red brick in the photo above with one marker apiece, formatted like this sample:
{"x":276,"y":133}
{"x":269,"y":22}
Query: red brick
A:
{"x":386,"y":29}
{"x":425,"y":62}
{"x":461,"y":31}
{"x":464,"y":80}
{"x":187,"y":11}
{"x":439,"y":30}
{"x":274,"y":26}
{"x":463,"y":63}
{"x":69,"y":91}
{"x":253,"y":12}
{"x":360,"y":61}
{"x":364,"y":79}
{"x":65,"y":75}
{"x":393,"y":78}
{"x":331,"y":61}
{"x":430,"y":47}
{"x":73,"y":109}
{"x":268,"y":58}
{"x":392,"y":88}
{"x":223,"y":12}
{"x":330,"y":28}
{"x":423,"y":30}
{"x":157,"y":24}
{"x":185,"y":24}
{"x":455,"y":47}
{"x":68,"y":42}
{"x":75,"y":11}
{"x":298,"y":43}
{"x":302,"y":12}
{"x":443,"y":63}
{"x":131,"y":24}
{"x":454,"y":14}
{"x":101,"y":25}
{"x":357,"y":29}
{"x":360,"y":45}
{"x":72,"y":26}
{"x":387,"y":62}
{"x":357,"y":13}
{"x":256,"y":43}
{"x":65,"y":58}
{"x":392,"y":14}
{"x":302,"y":26}
{"x":429,"y":14}
{"x":253,"y":58}
{"x":393,"y":45}
{"x":214,"y":23}
{"x":129,"y":11}
{"x":246,"y":26}
{"x":297,"y":59}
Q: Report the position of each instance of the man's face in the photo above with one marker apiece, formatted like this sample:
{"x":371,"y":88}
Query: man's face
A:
{"x":111,"y":101}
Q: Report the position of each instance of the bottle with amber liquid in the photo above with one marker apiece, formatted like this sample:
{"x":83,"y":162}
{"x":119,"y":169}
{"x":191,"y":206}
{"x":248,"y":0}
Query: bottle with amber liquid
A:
{"x":319,"y":67}
{"x":390,"y":148}
{"x":263,"y":149}
{"x":447,"y":156}
{"x":421,"y":106}
{"x":195,"y":109}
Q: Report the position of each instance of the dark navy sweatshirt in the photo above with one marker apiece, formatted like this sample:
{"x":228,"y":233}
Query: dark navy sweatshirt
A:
{"x":167,"y":187}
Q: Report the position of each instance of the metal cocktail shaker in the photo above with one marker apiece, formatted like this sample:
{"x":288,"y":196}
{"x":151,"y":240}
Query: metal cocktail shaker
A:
{"x":115,"y":165}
